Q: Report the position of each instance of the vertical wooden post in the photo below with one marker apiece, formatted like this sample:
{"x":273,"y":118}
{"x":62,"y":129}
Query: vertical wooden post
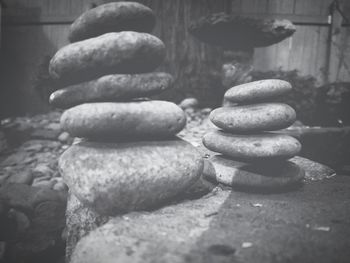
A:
{"x":333,"y":43}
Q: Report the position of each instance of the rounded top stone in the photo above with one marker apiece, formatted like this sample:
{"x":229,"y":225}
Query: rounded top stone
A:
{"x":237,"y":32}
{"x":112,"y":17}
{"x":257,"y":91}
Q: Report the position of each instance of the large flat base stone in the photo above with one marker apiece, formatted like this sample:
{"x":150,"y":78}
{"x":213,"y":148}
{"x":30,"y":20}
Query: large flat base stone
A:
{"x":225,"y":226}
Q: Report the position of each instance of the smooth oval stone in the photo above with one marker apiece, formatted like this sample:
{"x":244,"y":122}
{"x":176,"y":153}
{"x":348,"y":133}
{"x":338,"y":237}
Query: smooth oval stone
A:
{"x":112,"y":120}
{"x":247,"y":176}
{"x":109,"y":88}
{"x":257,"y":91}
{"x":253,"y":147}
{"x":113,"y":53}
{"x":112,"y":17}
{"x":114,"y":178}
{"x":256,"y":117}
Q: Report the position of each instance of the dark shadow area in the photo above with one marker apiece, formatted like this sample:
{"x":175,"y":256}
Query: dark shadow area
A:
{"x":310,"y":224}
{"x":24,"y":46}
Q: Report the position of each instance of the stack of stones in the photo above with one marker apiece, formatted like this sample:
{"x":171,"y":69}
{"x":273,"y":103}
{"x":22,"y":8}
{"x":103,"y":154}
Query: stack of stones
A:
{"x":253,"y":156}
{"x":129,"y":157}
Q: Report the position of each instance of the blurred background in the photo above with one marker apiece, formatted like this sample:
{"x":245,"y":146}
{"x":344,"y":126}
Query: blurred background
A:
{"x":315,"y":59}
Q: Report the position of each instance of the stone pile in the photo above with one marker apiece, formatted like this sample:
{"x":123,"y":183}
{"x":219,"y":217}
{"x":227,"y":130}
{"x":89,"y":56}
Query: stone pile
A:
{"x":129,"y":157}
{"x":253,"y":156}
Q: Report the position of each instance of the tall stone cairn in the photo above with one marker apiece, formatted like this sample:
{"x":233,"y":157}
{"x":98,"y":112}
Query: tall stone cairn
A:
{"x":129,"y":158}
{"x":253,"y":155}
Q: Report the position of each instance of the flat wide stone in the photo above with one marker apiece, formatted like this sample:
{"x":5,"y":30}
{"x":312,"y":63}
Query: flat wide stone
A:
{"x":125,"y":52}
{"x":305,"y":225}
{"x":125,"y":120}
{"x":252,"y":118}
{"x":258,"y":91}
{"x":112,"y":17}
{"x":114,"y":178}
{"x":117,"y":87}
{"x":253,"y":147}
{"x":269,"y":177}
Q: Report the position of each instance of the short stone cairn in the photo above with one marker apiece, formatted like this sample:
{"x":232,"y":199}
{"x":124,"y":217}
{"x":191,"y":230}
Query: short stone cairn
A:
{"x":254,"y":157}
{"x":129,"y":157}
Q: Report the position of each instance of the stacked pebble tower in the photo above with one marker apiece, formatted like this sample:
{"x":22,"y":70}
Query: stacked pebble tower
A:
{"x":254,"y":157}
{"x":129,"y":157}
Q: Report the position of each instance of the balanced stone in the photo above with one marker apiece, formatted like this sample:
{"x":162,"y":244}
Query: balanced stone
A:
{"x":112,"y":17}
{"x":255,"y":117}
{"x":254,"y":147}
{"x":276,"y":176}
{"x":257,"y":91}
{"x":125,"y":120}
{"x":123,"y":53}
{"x":114,"y":178}
{"x":118,"y":87}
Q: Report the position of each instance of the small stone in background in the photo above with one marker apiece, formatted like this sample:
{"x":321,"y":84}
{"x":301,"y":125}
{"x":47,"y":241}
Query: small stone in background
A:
{"x":189,"y":103}
{"x":60,"y":186}
{"x":53,"y":126}
{"x":43,"y":170}
{"x":206,"y":111}
{"x":44,"y":184}
{"x":45,"y":134}
{"x":64,"y":137}
{"x":24,"y":177}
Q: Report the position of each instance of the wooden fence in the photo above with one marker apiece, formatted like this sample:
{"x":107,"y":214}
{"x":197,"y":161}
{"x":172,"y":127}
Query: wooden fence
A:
{"x":34,"y":29}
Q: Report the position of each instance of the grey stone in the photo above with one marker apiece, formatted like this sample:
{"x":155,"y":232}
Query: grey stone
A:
{"x":189,"y":103}
{"x":108,"y":120}
{"x":24,"y":177}
{"x":314,"y":171}
{"x":257,"y":91}
{"x":255,"y":117}
{"x":253,"y":147}
{"x":113,"y":53}
{"x":112,"y":17}
{"x":269,"y":177}
{"x":118,"y":87}
{"x":113,"y":178}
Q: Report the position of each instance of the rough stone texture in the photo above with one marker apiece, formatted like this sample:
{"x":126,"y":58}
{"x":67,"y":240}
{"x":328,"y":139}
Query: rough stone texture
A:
{"x":254,"y":147}
{"x":236,"y":32}
{"x":81,"y":220}
{"x":258,"y":91}
{"x":32,"y":219}
{"x":118,"y":87}
{"x":224,"y":226}
{"x":255,"y":117}
{"x":112,"y":17}
{"x":270,"y":177}
{"x":116,"y":178}
{"x":314,"y":171}
{"x":112,"y":53}
{"x":130,"y":120}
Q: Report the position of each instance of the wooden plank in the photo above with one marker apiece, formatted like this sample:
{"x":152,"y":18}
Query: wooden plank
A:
{"x":312,"y":7}
{"x":254,"y":6}
{"x":280,"y":6}
{"x":338,"y":49}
